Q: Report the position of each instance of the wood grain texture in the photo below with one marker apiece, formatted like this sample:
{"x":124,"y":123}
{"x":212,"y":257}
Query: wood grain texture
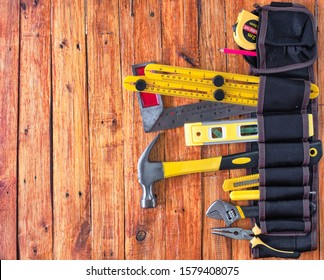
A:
{"x":213,"y":37}
{"x":320,"y":81}
{"x":140,"y":37}
{"x":34,"y":184}
{"x":71,"y":184}
{"x":106,"y":135}
{"x":9,"y":65}
{"x":236,"y":64}
{"x":71,"y":136}
{"x":183,"y":194}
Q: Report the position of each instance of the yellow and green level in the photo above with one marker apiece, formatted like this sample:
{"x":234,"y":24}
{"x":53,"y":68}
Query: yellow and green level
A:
{"x":228,"y":131}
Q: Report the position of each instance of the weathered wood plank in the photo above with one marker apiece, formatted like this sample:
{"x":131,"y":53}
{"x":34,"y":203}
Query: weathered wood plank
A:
{"x":313,"y":255}
{"x":183,"y":194}
{"x":236,"y":64}
{"x":212,"y":37}
{"x":9,"y":65}
{"x":34,"y":186}
{"x":320,"y":83}
{"x":106,"y":135}
{"x":140,"y":37}
{"x":71,"y":185}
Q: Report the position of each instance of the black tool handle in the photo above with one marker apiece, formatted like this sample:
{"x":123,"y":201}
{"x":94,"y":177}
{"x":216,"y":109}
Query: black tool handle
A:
{"x":265,"y":252}
{"x":250,"y":211}
{"x":251,"y":159}
{"x":289,"y":243}
{"x":240,"y":160}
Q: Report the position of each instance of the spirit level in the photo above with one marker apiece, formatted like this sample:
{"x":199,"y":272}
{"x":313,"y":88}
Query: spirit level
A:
{"x":224,"y":132}
{"x":221,"y":132}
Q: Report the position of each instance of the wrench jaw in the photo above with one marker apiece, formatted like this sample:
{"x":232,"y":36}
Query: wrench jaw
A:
{"x":223,"y":211}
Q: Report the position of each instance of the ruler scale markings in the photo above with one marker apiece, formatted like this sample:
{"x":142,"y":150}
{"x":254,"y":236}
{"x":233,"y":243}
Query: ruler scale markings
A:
{"x":201,"y":84}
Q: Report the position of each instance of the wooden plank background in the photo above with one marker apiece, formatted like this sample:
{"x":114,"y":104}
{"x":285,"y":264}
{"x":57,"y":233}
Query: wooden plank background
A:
{"x":71,"y":135}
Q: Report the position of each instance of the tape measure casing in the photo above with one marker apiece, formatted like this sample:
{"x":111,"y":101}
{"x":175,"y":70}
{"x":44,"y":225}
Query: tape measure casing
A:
{"x":245,"y":30}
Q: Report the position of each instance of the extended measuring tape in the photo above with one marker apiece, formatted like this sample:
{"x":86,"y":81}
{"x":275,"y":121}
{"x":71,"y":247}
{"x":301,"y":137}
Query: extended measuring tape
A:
{"x":225,"y":132}
{"x":199,"y":84}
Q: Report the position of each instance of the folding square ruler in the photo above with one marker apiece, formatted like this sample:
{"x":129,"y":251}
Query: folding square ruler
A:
{"x":155,"y":117}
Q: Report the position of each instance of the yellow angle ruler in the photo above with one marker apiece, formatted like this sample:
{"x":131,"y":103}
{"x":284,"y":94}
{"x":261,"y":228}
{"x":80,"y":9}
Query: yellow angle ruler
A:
{"x":199,"y":84}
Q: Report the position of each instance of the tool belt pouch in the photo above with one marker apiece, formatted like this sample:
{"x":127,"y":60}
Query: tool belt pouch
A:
{"x":286,"y":41}
{"x":288,"y":182}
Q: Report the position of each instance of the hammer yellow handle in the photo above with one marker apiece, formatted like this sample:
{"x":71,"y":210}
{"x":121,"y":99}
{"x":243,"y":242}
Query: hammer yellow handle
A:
{"x":235,"y":161}
{"x":177,"y":168}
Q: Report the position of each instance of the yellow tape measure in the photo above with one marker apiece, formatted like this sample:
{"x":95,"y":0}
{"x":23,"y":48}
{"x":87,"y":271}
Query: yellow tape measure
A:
{"x":245,"y":30}
{"x":199,"y":84}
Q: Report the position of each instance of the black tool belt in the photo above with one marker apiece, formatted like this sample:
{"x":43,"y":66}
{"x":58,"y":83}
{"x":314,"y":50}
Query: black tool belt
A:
{"x":286,"y":48}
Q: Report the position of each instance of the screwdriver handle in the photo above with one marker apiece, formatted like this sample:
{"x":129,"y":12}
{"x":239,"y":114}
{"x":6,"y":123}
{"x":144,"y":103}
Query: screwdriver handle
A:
{"x":245,"y":195}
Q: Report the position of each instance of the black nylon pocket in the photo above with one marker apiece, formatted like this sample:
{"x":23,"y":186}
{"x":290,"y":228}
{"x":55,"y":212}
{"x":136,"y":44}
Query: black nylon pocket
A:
{"x":289,"y":39}
{"x":284,"y":176}
{"x":288,"y":243}
{"x":283,"y":127}
{"x":286,"y":42}
{"x":287,"y":209}
{"x":285,"y":95}
{"x":285,"y":226}
{"x":284,"y":192}
{"x":283,"y":154}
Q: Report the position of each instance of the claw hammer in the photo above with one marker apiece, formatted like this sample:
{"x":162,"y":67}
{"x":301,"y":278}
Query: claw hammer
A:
{"x":150,"y":172}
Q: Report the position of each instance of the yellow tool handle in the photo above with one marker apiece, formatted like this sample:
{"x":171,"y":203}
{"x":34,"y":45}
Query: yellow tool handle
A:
{"x":269,"y":250}
{"x":310,"y":125}
{"x":245,"y":195}
{"x":256,"y":241}
{"x":177,"y":168}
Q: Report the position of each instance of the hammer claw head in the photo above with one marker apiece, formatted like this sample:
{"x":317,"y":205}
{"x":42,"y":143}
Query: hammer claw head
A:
{"x":148,"y":173}
{"x":142,"y":161}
